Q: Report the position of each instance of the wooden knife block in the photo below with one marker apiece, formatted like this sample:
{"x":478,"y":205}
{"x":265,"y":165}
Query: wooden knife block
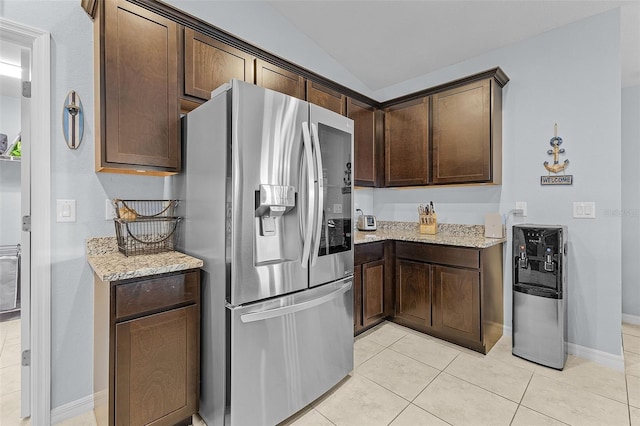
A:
{"x":428,"y":224}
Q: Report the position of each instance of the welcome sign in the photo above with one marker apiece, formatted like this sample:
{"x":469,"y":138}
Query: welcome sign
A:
{"x":556,"y":167}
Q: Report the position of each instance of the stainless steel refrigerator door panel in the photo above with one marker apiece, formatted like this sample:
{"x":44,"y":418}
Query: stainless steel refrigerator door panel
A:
{"x":538,"y":329}
{"x":267,"y":150}
{"x":307,"y":195}
{"x":319,"y":208}
{"x":203,"y":184}
{"x":332,"y":248}
{"x":289,"y":352}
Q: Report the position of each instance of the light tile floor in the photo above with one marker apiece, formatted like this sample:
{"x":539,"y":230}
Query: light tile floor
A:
{"x":405,"y":378}
{"x":402,"y":377}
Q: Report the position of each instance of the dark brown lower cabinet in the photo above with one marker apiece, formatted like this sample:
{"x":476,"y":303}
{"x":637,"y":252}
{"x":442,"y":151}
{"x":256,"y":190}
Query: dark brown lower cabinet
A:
{"x":413,"y":292}
{"x":456,"y":302}
{"x":371,"y":296}
{"x":372,"y":292}
{"x":453,"y":293}
{"x":147,"y":350}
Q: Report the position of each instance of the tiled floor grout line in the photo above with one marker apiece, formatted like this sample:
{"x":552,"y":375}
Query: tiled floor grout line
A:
{"x":314,"y":409}
{"x":586,"y":390}
{"x":521,"y":398}
{"x":398,"y":415}
{"x":626,"y":383}
{"x":423,"y":389}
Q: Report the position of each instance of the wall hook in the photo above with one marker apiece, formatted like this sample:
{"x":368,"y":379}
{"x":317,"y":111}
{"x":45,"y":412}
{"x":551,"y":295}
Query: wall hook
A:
{"x":73,"y":120}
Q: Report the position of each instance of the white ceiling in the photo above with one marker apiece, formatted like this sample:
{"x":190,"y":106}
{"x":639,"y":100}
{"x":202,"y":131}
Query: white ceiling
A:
{"x":383,"y":43}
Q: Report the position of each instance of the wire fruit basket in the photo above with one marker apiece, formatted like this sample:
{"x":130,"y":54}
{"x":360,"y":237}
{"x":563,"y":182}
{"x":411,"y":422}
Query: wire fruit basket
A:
{"x":145,"y":226}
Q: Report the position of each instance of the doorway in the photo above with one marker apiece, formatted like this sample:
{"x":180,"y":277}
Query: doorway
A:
{"x":26,"y":192}
{"x":14,"y":295}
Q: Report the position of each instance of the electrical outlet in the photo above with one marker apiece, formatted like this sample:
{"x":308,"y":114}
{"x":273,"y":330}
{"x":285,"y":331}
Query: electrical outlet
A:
{"x":337,"y":208}
{"x":109,"y":210}
{"x":522,"y":205}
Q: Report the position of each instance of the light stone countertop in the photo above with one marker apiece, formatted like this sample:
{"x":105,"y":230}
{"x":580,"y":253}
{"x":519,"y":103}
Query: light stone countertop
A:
{"x":111,"y":265}
{"x":448,"y":234}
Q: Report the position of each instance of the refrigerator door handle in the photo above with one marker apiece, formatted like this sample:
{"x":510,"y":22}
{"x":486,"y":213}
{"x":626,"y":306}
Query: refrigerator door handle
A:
{"x":278,"y":312}
{"x":320,"y":186}
{"x":308,"y":228}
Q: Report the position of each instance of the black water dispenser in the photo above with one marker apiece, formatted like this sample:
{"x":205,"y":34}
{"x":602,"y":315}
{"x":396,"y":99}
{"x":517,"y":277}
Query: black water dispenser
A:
{"x":540,"y":294}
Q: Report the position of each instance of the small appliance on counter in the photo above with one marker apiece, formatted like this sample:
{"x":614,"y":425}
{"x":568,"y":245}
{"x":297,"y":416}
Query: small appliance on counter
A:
{"x":366,"y":222}
{"x":540,"y":294}
{"x":493,"y":227}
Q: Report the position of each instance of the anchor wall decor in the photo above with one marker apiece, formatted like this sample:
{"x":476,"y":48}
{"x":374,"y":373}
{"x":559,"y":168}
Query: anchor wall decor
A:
{"x":556,"y":167}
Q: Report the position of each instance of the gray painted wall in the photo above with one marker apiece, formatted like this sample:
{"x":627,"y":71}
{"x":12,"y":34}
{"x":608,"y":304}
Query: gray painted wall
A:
{"x":581,"y":92}
{"x":73,"y":177}
{"x":630,"y":201}
{"x":10,"y":174}
{"x":571,"y":76}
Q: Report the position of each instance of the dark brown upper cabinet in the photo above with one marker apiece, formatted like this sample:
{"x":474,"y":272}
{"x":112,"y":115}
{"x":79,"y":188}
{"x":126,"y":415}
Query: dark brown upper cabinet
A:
{"x":368,"y":143}
{"x":208,"y":63}
{"x":138,"y":114}
{"x":275,"y":78}
{"x":326,"y":97}
{"x":407,"y":143}
{"x":467,"y":134}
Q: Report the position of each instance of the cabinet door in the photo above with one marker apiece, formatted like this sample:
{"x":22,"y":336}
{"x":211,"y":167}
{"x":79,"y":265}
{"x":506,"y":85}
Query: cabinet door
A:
{"x":357,"y":298}
{"x":156,"y":367}
{"x":368,"y":150}
{"x":141,"y":108}
{"x":326,"y":97}
{"x":413,"y":292}
{"x":461,"y":134}
{"x":372,"y":292}
{"x":275,"y":78}
{"x":407,"y":143}
{"x":456,"y":303}
{"x":208,"y":63}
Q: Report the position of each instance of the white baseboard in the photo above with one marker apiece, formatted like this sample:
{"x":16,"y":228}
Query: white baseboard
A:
{"x":506,"y":330}
{"x":599,"y":357}
{"x":71,"y":409}
{"x":631,"y":319}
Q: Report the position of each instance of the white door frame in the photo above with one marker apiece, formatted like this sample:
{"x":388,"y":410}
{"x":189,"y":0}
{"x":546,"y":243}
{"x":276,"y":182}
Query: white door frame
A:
{"x":39,"y":194}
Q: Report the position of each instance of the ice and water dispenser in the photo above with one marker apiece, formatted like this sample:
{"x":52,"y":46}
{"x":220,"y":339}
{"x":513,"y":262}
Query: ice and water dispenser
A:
{"x":540,"y":294}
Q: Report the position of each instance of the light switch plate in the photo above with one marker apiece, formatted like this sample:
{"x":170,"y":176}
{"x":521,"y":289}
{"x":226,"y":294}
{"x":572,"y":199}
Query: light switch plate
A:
{"x":65,"y":210}
{"x":584,"y":210}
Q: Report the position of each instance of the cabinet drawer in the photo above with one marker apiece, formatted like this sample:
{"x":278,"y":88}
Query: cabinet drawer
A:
{"x":368,"y":252}
{"x":155,"y":294}
{"x":432,"y":253}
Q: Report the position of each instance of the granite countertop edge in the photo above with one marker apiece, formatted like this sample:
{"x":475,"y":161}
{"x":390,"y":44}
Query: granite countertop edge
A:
{"x":111,"y":265}
{"x":448,"y":234}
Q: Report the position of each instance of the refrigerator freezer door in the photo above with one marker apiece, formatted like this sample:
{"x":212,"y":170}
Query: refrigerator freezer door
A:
{"x":287,"y":352}
{"x":266,"y":196}
{"x":332,"y":243}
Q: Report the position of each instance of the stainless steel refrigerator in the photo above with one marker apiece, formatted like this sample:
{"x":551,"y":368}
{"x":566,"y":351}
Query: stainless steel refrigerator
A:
{"x":268,"y":206}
